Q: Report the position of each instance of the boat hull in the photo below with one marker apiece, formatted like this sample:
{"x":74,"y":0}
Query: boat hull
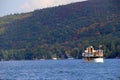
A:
{"x":97,"y":60}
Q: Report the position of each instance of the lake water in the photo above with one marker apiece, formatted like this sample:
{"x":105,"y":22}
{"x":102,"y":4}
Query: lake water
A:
{"x":60,"y":70}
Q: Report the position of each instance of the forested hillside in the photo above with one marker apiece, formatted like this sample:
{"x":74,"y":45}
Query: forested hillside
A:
{"x":62,"y":32}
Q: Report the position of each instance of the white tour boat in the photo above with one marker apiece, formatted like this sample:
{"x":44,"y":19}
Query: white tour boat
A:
{"x":92,"y":55}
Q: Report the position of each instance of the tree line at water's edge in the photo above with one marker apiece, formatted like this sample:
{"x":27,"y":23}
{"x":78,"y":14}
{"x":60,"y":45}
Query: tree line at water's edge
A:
{"x":62,"y":32}
{"x":111,"y":50}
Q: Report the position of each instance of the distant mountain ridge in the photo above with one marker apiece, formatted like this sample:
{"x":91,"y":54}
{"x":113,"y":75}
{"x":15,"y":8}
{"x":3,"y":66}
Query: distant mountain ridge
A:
{"x":63,"y":29}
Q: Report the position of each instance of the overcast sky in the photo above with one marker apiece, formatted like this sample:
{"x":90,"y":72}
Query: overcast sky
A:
{"x":19,"y":6}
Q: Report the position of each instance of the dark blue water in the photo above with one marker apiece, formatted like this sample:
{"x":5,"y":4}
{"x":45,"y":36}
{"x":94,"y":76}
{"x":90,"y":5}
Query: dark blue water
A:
{"x":60,"y":70}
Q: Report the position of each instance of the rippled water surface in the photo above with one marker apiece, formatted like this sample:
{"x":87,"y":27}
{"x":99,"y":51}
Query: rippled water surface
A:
{"x":60,"y":70}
